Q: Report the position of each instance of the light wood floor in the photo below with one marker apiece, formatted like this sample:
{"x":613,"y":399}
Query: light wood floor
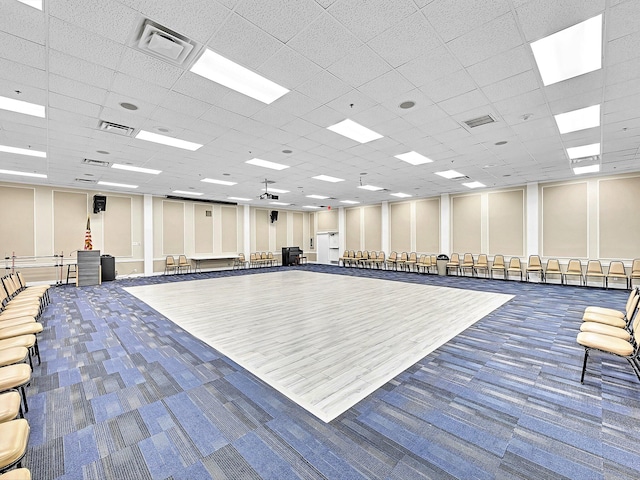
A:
{"x":325,"y":341}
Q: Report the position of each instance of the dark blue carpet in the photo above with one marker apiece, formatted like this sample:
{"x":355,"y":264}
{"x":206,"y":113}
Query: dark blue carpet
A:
{"x":123,"y":393}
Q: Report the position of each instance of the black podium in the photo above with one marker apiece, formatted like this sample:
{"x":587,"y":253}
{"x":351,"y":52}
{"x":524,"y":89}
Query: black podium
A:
{"x":108,"y":264}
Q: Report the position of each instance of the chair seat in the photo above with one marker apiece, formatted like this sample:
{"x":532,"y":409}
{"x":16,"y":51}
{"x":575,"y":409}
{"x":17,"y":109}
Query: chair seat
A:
{"x":20,"y":341}
{"x":9,"y":356}
{"x":607,"y":343}
{"x":17,"y":330}
{"x":9,"y":406}
{"x":14,"y":376}
{"x":16,"y":321}
{"x":607,"y":320}
{"x":14,"y":436}
{"x":604,"y":311}
{"x":594,"y":274}
{"x":17,"y":474}
{"x":603,"y":329}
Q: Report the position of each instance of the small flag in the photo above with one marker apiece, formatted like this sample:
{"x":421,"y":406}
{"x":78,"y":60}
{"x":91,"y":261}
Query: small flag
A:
{"x":87,"y":236}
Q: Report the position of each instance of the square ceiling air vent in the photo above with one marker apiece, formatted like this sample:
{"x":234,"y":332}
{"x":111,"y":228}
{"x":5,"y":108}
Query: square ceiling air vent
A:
{"x":589,"y":159}
{"x":95,"y":163}
{"x":476,"y":122}
{"x":160,"y":42}
{"x":116,"y":128}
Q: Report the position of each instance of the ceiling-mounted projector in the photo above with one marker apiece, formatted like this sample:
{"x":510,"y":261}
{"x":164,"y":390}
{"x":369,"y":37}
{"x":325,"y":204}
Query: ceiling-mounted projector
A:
{"x":268,"y":196}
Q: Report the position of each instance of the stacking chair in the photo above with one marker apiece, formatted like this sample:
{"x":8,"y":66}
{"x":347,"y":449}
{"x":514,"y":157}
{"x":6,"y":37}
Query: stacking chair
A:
{"x":344,"y":258}
{"x":10,"y":406}
{"x":15,"y":377}
{"x":411,"y":261}
{"x":274,"y":261}
{"x":184,"y":264}
{"x":402,"y":261}
{"x":355,"y":261}
{"x":454,"y":263}
{"x":170,"y":265}
{"x":553,"y":268}
{"x":616,"y":270}
{"x":515,"y":267}
{"x":424,"y":262}
{"x":498,"y":266}
{"x":13,"y":355}
{"x":635,"y":272}
{"x":597,"y":320}
{"x":364,"y":259}
{"x":14,"y":437}
{"x":534,"y":265}
{"x":574,"y":269}
{"x":467,"y":263}
{"x":481,"y":264}
{"x":17,"y":474}
{"x":594,"y":269}
{"x":373,"y":257}
{"x":239,"y":262}
{"x":380,"y":260}
{"x":392,"y":261}
{"x":41,"y":288}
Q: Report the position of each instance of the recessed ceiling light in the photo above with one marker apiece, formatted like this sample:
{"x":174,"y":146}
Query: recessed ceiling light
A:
{"x":128,"y":106}
{"x":580,"y":119}
{"x":588,"y":169}
{"x":584,"y":151}
{"x":279,"y":203}
{"x":33,"y":3}
{"x":450,"y":174}
{"x":354,"y":131}
{"x":309,"y":206}
{"x":240,"y":199}
{"x":349,"y":202}
{"x":103,"y":152}
{"x":221,"y":70}
{"x":23,"y":174}
{"x":162,"y":129}
{"x":400,"y":195}
{"x":474,"y":185}
{"x":287,"y":151}
{"x":266,"y":164}
{"x":407,"y":104}
{"x":318,"y":197}
{"x":131,"y":168}
{"x":218,"y":182}
{"x":414,"y":158}
{"x":164,"y":140}
{"x":570,"y":52}
{"x":501,"y":142}
{"x":184,"y":192}
{"x":327,"y":178}
{"x":370,"y":188}
{"x":23,"y":151}
{"x":19,"y":106}
{"x":275,"y":190}
{"x":121,"y":185}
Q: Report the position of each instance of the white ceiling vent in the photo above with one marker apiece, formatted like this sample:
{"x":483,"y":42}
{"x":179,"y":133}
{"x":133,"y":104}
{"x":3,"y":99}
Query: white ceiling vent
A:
{"x":476,"y":122}
{"x":85,"y":180}
{"x":95,"y":163}
{"x":115,"y":128}
{"x":160,"y":42}
{"x":589,"y":159}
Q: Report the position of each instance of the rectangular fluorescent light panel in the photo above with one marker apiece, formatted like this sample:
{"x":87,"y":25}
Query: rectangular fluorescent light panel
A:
{"x":318,"y":197}
{"x":218,"y":182}
{"x":570,"y":52}
{"x":122,"y":185}
{"x":266,"y":164}
{"x":400,"y":195}
{"x":371,"y":188}
{"x":309,"y":206}
{"x":349,"y":202}
{"x":354,"y":131}
{"x":221,"y":70}
{"x":164,"y":140}
{"x":580,"y":119}
{"x":131,"y":168}
{"x":239,"y":199}
{"x":450,"y":174}
{"x":588,"y":169}
{"x":584,"y":151}
{"x":23,"y":174}
{"x":33,"y":3}
{"x":23,"y":151}
{"x":184,"y":192}
{"x":327,"y":178}
{"x":414,"y":158}
{"x":19,"y":106}
{"x":279,"y":203}
{"x":275,"y":190}
{"x":474,"y":185}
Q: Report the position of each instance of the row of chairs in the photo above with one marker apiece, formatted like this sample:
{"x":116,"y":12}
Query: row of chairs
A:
{"x":183,"y":265}
{"x":362,"y":258}
{"x":262,"y":259}
{"x":20,"y":310}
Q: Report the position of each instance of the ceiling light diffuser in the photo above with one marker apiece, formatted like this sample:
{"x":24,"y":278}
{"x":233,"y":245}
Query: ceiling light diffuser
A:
{"x":580,"y":119}
{"x":349,"y":202}
{"x":354,"y":131}
{"x":185,"y":192}
{"x":121,"y":185}
{"x":218,"y":182}
{"x":309,"y":206}
{"x":239,"y":199}
{"x":23,"y":174}
{"x":33,"y":3}
{"x":266,"y":164}
{"x":584,"y":151}
{"x":221,"y":70}
{"x":279,"y":203}
{"x":318,"y":197}
{"x":370,"y":188}
{"x":131,"y":168}
{"x":23,"y":151}
{"x":570,"y":52}
{"x":588,"y":169}
{"x":164,"y":140}
{"x":414,"y":158}
{"x":450,"y":174}
{"x":327,"y":178}
{"x":474,"y":185}
{"x":400,"y":195}
{"x":19,"y":106}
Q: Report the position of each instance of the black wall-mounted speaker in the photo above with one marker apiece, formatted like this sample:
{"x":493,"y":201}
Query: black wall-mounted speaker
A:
{"x":99,"y":203}
{"x":274,"y":215}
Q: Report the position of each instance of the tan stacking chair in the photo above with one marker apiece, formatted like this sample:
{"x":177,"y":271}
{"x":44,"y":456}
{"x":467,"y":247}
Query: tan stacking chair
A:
{"x":380,"y":260}
{"x":609,"y":316}
{"x":402,"y":261}
{"x":373,"y":257}
{"x":184,"y":264}
{"x":14,"y":437}
{"x":13,"y":355}
{"x":362,"y":262}
{"x":392,"y":261}
{"x":273,"y":260}
{"x":616,"y":270}
{"x":615,"y":326}
{"x":344,"y":258}
{"x":515,"y":267}
{"x":553,"y":268}
{"x":534,"y":265}
{"x":574,"y":269}
{"x":411,"y":261}
{"x":170,"y":265}
{"x":481,"y":264}
{"x":17,"y":474}
{"x":594,"y":269}
{"x":635,"y":272}
{"x":424,"y":262}
{"x":16,"y":377}
{"x":498,"y":266}
{"x":239,"y":262}
{"x":467,"y":263}
{"x":10,"y":406}
{"x":454,"y":263}
{"x":42,"y":288}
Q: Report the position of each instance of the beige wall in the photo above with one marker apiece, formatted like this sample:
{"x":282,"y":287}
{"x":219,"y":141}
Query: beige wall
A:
{"x":619,"y":218}
{"x":327,"y":221}
{"x":466,"y":222}
{"x":17,"y":225}
{"x":298,"y":231}
{"x":352,"y":229}
{"x":261,"y":231}
{"x":372,"y":226}
{"x":400,"y":226}
{"x":428,"y":225}
{"x":203,"y":228}
{"x":506,"y":222}
{"x":281,"y":231}
{"x":565,"y":220}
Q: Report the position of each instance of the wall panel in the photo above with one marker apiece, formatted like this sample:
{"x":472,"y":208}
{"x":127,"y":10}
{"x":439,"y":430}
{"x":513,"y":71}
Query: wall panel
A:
{"x":618,"y":218}
{"x":229,"y":229}
{"x":17,"y":231}
{"x":506,"y":223}
{"x":428,"y":225}
{"x":262,"y":230}
{"x":172,"y":228}
{"x":281,"y":231}
{"x":203,"y":228}
{"x":352,"y":225}
{"x":298,"y":232}
{"x":400,"y":226}
{"x":117,"y":227}
{"x":69,"y":221}
{"x":466,"y":224}
{"x":328,"y":221}
{"x":564,"y":220}
{"x":373,"y":228}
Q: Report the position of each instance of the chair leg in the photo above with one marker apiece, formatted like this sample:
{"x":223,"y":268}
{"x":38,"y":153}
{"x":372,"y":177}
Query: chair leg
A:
{"x":584,"y":364}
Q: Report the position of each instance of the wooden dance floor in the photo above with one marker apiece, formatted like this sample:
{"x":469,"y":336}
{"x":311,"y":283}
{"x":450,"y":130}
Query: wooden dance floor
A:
{"x":325,"y":341}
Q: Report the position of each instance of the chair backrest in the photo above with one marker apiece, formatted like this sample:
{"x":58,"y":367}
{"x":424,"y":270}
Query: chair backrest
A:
{"x":534,"y":262}
{"x":170,"y":261}
{"x":635,"y":268}
{"x":553,"y":266}
{"x":632,"y":306}
{"x":393,"y":256}
{"x":434,"y":260}
{"x":498,"y":261}
{"x":381,"y":256}
{"x":455,"y":258}
{"x":241,"y":257}
{"x":468,"y":259}
{"x":594,"y":266}
{"x":482,"y":260}
{"x":345,"y":254}
{"x":404,"y":257}
{"x":514,"y":262}
{"x":269,"y":255}
{"x":182,"y":259}
{"x":359,"y":254}
{"x":352,"y":254}
{"x":413,"y":256}
{"x":253,"y":257}
{"x":617,"y":268}
{"x":574,"y":266}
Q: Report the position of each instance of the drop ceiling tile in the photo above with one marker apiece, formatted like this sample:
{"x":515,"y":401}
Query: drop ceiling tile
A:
{"x":360,"y":66}
{"x":63,"y":116}
{"x":623,"y":49}
{"x":324,"y":41}
{"x":536,"y":129}
{"x":239,"y":103}
{"x":22,"y":51}
{"x":280,"y":18}
{"x":82,"y":91}
{"x":520,"y":104}
{"x":296,"y":103}
{"x":622,"y":19}
{"x":501,"y":66}
{"x":353,"y":105}
{"x":574,"y":102}
{"x":429,"y":67}
{"x":22,"y":75}
{"x":73,"y":105}
{"x":288,"y":68}
{"x":464,"y":102}
{"x":512,"y":86}
{"x":539,"y":18}
{"x":449,"y":86}
{"x":324,"y":87}
{"x":27,"y":94}
{"x":148,"y":68}
{"x":222,"y":117}
{"x":81,"y":70}
{"x":406,"y":40}
{"x":184,"y":104}
{"x":198,"y":87}
{"x":300,"y":127}
{"x":23,"y":21}
{"x":368,"y":18}
{"x":577,"y":85}
{"x":389,"y":85}
{"x":499,"y":35}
